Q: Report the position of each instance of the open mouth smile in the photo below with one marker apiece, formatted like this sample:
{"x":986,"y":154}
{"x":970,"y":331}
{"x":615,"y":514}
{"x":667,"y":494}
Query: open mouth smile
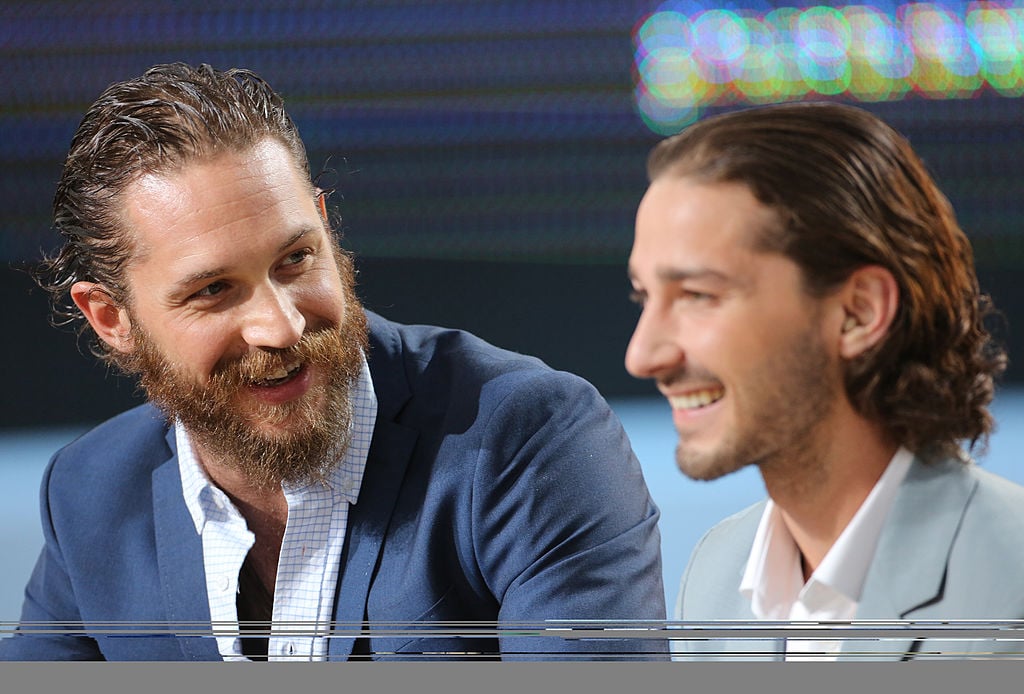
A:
{"x":283,"y":374}
{"x":695,"y":400}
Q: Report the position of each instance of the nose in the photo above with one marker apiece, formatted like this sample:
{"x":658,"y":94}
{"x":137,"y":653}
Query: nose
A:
{"x":273,"y":319}
{"x":653,"y":349}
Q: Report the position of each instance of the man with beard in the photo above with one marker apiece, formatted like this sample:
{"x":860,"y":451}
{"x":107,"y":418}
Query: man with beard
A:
{"x":307,"y":472}
{"x":810,"y":306}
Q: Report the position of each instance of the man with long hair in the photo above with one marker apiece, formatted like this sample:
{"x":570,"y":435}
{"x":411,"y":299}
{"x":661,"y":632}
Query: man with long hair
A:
{"x":810,"y":307}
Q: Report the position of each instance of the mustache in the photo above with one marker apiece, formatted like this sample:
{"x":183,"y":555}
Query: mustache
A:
{"x":315,"y":346}
{"x":695,"y":375}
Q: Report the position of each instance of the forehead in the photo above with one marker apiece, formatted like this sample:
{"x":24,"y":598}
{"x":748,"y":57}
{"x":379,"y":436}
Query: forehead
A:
{"x":239,"y":193}
{"x":682,"y":222}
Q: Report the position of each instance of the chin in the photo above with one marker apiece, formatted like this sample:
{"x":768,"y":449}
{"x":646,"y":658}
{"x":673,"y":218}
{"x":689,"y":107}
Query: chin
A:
{"x":282,"y":431}
{"x":705,"y":466}
{"x":290,"y":422}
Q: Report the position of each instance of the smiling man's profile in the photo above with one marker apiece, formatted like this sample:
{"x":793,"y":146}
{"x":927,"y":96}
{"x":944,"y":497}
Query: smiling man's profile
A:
{"x":810,"y":307}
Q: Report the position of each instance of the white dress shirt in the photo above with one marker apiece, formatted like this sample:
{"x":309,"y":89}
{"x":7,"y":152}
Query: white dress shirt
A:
{"x":773,"y":580}
{"x":307,"y":572}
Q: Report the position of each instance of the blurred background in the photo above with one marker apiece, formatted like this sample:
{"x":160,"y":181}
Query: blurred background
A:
{"x":488,"y":157}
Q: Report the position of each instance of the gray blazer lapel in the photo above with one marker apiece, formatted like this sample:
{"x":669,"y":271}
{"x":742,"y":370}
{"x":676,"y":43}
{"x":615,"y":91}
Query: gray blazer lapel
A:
{"x":909,"y":565}
{"x":179,"y":554}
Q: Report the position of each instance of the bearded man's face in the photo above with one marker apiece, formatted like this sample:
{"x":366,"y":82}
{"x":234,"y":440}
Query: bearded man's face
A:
{"x":241,"y":319}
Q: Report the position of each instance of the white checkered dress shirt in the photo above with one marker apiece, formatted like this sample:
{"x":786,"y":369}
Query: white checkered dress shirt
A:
{"x":307,"y":571}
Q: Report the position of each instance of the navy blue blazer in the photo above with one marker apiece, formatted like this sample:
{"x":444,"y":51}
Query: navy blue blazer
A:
{"x":496,"y":489}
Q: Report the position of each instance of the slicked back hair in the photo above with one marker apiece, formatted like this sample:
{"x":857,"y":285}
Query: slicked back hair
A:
{"x":171,"y":115}
{"x":849,"y":191}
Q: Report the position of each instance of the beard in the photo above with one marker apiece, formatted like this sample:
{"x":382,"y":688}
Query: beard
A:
{"x":784,"y":405}
{"x":299,"y":441}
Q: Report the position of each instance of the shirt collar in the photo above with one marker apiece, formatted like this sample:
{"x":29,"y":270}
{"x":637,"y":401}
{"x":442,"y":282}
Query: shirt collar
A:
{"x":773,"y":580}
{"x":345,"y":479}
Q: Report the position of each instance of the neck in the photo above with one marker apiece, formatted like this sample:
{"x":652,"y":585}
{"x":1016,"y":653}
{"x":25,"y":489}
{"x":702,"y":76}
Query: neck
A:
{"x":819,"y":489}
{"x":234,"y":482}
{"x":265,"y":510}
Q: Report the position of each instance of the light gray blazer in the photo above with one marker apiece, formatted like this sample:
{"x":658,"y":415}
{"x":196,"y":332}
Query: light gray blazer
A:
{"x":952,"y":548}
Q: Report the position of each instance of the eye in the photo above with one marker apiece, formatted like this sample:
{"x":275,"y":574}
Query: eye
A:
{"x":298,"y":257}
{"x":695,"y":296}
{"x":210,"y":290}
{"x":638,"y":297}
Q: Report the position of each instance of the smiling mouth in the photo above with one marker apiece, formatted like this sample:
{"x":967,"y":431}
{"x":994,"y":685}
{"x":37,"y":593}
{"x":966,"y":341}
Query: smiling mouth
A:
{"x":696,"y":399}
{"x":283,"y":374}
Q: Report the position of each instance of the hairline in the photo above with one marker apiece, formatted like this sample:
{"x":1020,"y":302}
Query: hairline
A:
{"x":759,"y":239}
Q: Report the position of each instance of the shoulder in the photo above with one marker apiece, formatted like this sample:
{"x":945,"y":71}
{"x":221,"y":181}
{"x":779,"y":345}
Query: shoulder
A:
{"x":988,"y":555}
{"x":128,"y":434}
{"x":447,"y":363}
{"x":989,"y":540}
{"x":710,"y":585}
{"x":492,"y":403}
{"x":112,"y":457}
{"x":733,"y":535}
{"x":428,"y":345}
{"x":982,"y":514}
{"x":997,"y":492}
{"x":996,"y":509}
{"x":990,"y":500}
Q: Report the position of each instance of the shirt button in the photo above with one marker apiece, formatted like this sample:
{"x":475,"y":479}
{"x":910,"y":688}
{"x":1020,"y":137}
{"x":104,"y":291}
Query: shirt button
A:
{"x":225,"y":582}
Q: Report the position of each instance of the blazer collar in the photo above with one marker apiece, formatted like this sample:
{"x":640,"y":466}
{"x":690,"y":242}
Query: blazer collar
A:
{"x":179,"y":553}
{"x":179,"y":549}
{"x":368,"y":520}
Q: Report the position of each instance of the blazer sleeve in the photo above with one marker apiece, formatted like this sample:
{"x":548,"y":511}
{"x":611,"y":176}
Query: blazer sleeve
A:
{"x":49,"y":614}
{"x":564,"y":526}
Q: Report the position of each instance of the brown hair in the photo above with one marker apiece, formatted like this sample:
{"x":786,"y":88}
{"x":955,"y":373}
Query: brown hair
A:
{"x":849,"y":191}
{"x":171,"y":115}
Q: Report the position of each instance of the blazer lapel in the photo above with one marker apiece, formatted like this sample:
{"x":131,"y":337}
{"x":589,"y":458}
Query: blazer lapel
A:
{"x":368,"y":522}
{"x":909,"y":565}
{"x":368,"y":519}
{"x":180,"y":561}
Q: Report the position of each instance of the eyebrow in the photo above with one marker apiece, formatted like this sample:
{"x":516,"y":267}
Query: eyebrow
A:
{"x":671,"y":274}
{"x":675,"y":274}
{"x":186,"y":282}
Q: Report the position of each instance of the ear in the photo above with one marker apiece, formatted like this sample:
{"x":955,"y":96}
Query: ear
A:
{"x":107,"y":318}
{"x":869,"y":300}
{"x":321,"y":204}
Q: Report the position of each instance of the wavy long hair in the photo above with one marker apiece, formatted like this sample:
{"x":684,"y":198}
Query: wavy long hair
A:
{"x":849,"y":191}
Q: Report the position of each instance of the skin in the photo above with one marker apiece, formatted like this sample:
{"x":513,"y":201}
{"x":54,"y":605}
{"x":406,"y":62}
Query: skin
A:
{"x":749,"y":361}
{"x":231,"y":256}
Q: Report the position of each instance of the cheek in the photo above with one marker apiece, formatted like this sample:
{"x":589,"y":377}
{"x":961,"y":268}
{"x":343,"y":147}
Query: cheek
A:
{"x":198,"y":346}
{"x":324,"y":298}
{"x":730,"y":348}
{"x":713,"y":336}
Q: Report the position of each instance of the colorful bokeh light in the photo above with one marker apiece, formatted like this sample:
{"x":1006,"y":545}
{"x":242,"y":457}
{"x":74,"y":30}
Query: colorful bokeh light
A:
{"x":690,"y":56}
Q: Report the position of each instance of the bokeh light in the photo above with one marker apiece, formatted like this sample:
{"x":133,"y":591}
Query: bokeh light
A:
{"x":691,"y":56}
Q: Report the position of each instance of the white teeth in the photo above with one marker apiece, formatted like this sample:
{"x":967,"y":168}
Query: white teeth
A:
{"x":696,"y":399}
{"x":282,"y":372}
